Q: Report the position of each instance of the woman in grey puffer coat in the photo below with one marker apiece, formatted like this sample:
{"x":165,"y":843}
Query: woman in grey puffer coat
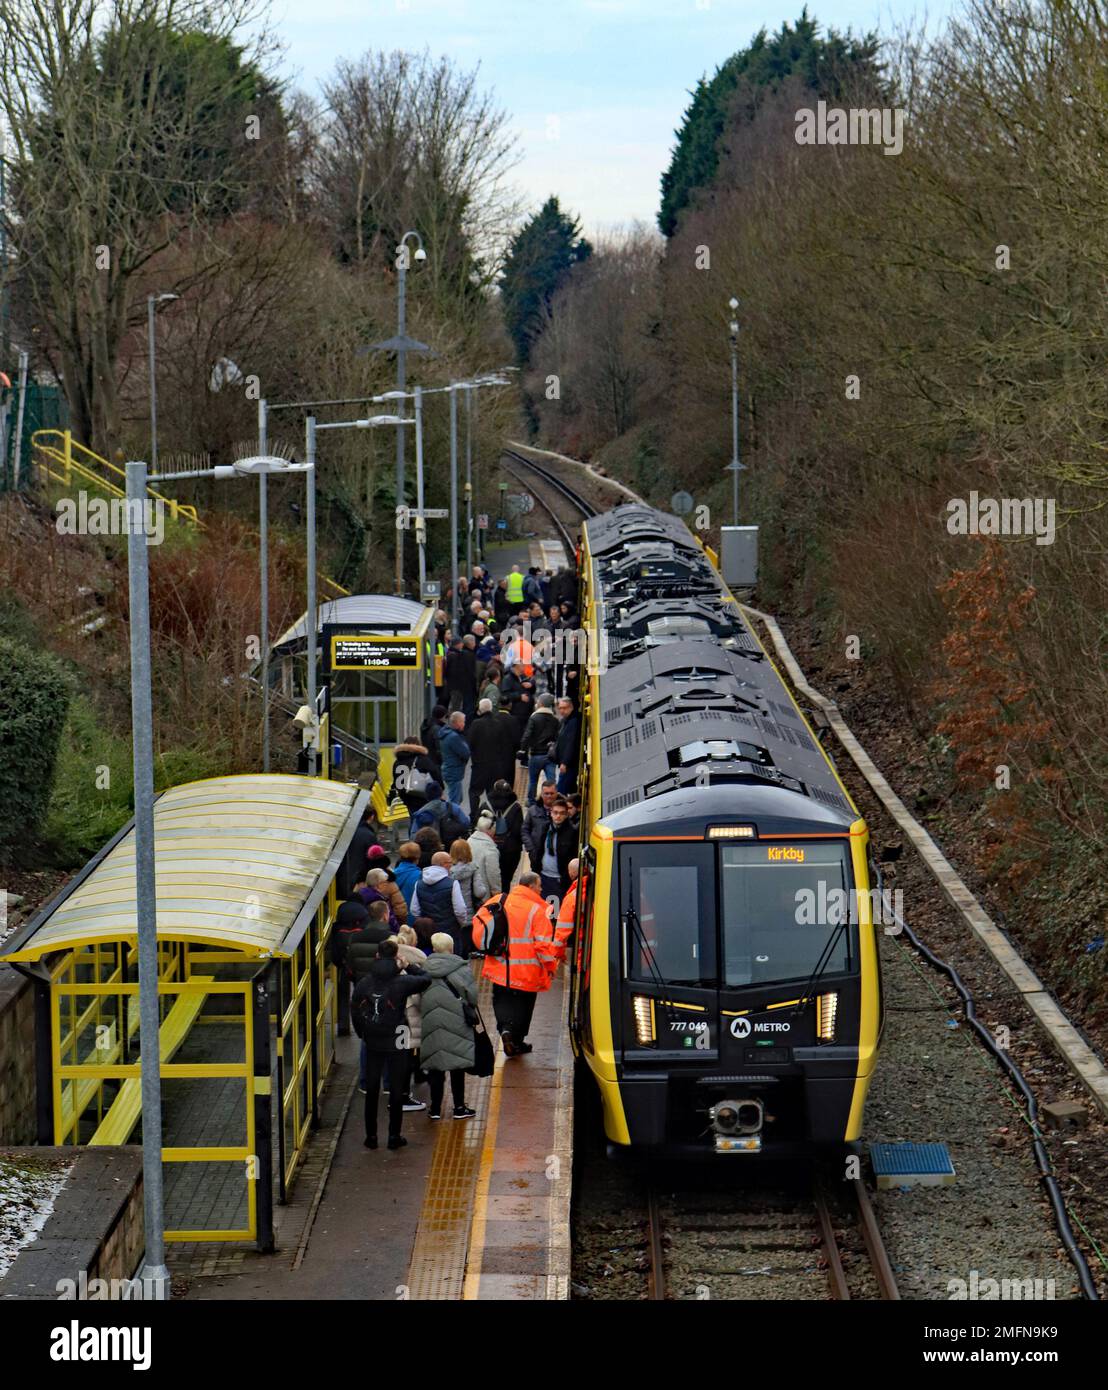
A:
{"x":447,"y":1042}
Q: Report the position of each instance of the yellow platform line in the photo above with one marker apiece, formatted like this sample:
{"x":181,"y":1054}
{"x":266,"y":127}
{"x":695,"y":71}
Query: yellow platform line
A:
{"x":484,"y":1179}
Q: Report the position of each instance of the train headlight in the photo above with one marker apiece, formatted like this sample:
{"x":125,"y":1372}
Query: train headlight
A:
{"x":827,"y":1007}
{"x":644,"y":1019}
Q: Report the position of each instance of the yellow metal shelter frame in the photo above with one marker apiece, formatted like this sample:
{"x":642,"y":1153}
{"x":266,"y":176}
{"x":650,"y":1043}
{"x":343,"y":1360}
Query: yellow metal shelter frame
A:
{"x":248,"y":997}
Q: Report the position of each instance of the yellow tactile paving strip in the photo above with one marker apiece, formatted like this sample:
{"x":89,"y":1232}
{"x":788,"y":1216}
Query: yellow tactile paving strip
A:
{"x":495,"y":1222}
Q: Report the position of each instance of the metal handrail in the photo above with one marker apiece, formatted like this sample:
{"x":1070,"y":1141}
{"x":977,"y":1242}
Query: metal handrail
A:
{"x":70,"y":465}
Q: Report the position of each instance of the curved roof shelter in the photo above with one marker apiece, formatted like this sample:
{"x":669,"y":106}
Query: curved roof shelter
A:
{"x":374,"y":612}
{"x":241,"y":863}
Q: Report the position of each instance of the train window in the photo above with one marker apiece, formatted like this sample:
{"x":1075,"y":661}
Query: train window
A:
{"x":667,"y":910}
{"x":781,"y":906}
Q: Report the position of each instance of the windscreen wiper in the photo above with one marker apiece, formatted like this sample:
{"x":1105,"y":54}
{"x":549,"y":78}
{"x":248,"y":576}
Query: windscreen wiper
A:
{"x":821,"y":965}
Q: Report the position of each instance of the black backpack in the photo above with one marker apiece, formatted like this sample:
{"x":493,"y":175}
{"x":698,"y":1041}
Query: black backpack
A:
{"x":450,"y":827}
{"x":375,"y":1015}
{"x":498,"y":941}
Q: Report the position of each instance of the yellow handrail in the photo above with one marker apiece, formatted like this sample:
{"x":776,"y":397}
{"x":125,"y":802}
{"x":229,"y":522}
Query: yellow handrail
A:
{"x":70,"y":465}
{"x":178,"y":511}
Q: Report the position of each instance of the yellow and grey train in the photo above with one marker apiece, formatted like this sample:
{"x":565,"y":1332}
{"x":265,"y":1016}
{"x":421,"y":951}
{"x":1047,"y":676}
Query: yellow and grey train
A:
{"x":725,"y":990}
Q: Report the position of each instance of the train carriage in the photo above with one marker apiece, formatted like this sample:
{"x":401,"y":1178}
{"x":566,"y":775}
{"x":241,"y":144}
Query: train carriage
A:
{"x":725,"y":989}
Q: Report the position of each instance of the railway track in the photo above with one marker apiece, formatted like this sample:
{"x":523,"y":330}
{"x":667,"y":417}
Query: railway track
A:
{"x":520,"y":467}
{"x":766,"y":1245}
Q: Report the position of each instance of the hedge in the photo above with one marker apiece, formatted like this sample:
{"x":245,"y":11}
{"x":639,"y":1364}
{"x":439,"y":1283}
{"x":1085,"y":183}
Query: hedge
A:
{"x":34,"y":700}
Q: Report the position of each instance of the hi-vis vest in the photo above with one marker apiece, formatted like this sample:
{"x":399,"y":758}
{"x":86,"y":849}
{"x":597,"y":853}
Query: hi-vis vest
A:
{"x":515,"y":587}
{"x":531,"y":960}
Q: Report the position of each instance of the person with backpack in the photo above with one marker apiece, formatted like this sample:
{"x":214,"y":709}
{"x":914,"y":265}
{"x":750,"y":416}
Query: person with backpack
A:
{"x":447,"y":1043}
{"x":482,"y":847}
{"x":507,"y":829}
{"x":439,"y":897}
{"x":351,"y":917}
{"x":354,"y":948}
{"x":377,"y":1011}
{"x":540,"y":739}
{"x":413,"y":771}
{"x":516,"y":932}
{"x":445,"y":817}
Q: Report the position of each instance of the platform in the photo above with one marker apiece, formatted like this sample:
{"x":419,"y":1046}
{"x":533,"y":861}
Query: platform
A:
{"x":475,"y":1209}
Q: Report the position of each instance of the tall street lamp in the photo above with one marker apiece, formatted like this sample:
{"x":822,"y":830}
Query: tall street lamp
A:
{"x":155,"y":1273}
{"x":151,"y":300}
{"x":401,"y":344}
{"x":734,"y":467}
{"x":310,"y":430}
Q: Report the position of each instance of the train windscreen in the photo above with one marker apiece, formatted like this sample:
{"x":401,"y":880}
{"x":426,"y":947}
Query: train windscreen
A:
{"x":782,"y":908}
{"x":668,"y":912}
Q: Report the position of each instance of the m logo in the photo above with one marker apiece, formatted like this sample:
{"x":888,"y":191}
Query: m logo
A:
{"x":740,"y":1028}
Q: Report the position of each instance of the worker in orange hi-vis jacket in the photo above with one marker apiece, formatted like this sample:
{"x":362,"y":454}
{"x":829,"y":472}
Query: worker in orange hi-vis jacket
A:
{"x":563,"y":927}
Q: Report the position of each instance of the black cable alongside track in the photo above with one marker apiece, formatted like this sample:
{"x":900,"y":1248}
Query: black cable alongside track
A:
{"x":1042,"y":1158}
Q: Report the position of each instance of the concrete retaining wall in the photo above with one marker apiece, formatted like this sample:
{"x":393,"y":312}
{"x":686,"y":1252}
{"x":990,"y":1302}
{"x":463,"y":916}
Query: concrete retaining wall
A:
{"x":95,"y":1228}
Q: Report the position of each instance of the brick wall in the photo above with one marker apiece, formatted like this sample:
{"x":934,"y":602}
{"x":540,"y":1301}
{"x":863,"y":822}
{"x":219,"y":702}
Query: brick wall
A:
{"x":17,"y":1058}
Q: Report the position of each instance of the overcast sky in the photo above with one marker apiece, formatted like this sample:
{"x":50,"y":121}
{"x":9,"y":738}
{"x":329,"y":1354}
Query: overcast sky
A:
{"x":594,"y":88}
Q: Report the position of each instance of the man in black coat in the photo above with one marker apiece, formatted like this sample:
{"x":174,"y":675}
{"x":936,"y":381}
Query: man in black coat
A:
{"x":551,"y":855}
{"x":492,"y":741}
{"x":567,"y":751}
{"x":353,"y":865}
{"x":430,"y":730}
{"x":461,"y":675}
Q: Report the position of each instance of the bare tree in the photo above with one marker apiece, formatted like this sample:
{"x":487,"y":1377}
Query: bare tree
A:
{"x":407,"y":142}
{"x":130,"y":125}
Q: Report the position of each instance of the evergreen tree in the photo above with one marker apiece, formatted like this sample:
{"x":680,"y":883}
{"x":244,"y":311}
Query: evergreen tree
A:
{"x":540,"y":256}
{"x":827,"y":66}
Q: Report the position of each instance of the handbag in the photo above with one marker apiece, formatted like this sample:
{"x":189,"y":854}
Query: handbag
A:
{"x":484,"y":1058}
{"x":469,"y":1011}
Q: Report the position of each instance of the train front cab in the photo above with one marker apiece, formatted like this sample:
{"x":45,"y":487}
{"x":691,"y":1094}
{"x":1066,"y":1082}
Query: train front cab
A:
{"x":703,"y":1028}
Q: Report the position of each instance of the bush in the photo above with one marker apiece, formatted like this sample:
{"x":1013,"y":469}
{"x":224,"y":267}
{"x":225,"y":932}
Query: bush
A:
{"x":92,"y":795}
{"x":34,"y":699}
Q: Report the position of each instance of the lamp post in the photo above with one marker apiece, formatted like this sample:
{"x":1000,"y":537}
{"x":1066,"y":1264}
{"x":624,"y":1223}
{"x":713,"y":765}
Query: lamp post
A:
{"x":311,"y":428}
{"x":454,"y":505}
{"x":263,"y":538}
{"x":734,"y":467}
{"x":154,"y":1271}
{"x":469,"y":482}
{"x":401,"y":344}
{"x":151,"y":300}
{"x":155,"y":1274}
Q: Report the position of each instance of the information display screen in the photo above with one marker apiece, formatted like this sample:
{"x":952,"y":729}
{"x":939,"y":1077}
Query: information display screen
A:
{"x":353,"y":652}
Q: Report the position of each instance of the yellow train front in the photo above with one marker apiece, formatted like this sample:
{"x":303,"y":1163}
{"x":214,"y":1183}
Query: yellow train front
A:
{"x":725,"y":986}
